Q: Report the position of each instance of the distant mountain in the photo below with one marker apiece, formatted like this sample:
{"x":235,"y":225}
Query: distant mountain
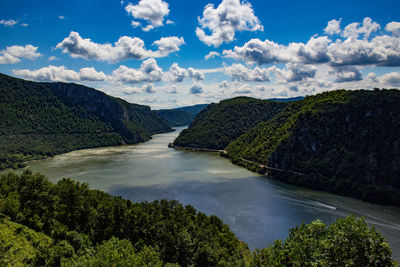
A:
{"x":195,"y":109}
{"x":180,"y":116}
{"x":345,"y":142}
{"x":219,"y":124}
{"x":44,"y":119}
{"x":290,"y":99}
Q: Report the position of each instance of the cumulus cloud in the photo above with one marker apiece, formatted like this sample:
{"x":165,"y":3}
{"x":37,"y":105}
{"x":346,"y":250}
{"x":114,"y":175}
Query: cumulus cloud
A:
{"x":229,"y":17}
{"x":13,"y":54}
{"x":24,"y":24}
{"x":238,"y":72}
{"x":257,"y":51}
{"x":178,"y":74}
{"x":90,"y":74}
{"x":294,"y":88}
{"x":382,"y":50}
{"x":212,"y":54}
{"x":391,"y":79}
{"x":196,"y":88}
{"x":8,"y":23}
{"x":355,"y":29}
{"x":243,"y":89}
{"x":61,"y":74}
{"x":295,"y":72}
{"x":132,"y":90}
{"x":52,"y":58}
{"x":394,"y":28}
{"x":152,"y":11}
{"x":149,"y":71}
{"x":348,"y":74}
{"x":333,"y":27}
{"x":125,"y":48}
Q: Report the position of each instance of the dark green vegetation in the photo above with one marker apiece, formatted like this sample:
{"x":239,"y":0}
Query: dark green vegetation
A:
{"x":346,"y":142}
{"x":175,"y":118}
{"x":43,"y":119}
{"x":71,"y":225}
{"x":219,"y":124}
{"x":180,"y":116}
{"x":347,"y":242}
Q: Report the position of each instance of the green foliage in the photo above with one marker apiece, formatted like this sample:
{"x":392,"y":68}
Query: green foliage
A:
{"x":345,"y":142}
{"x":38,"y":120}
{"x":219,"y":124}
{"x":83,"y":227}
{"x":78,"y":216}
{"x":347,"y":242}
{"x":115,"y":252}
{"x":174,"y":117}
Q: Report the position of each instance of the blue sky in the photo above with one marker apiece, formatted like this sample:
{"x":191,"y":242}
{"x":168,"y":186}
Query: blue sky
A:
{"x":259,"y":48}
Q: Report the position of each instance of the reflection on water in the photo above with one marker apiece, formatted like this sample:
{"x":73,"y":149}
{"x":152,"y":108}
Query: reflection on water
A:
{"x":258,"y":210}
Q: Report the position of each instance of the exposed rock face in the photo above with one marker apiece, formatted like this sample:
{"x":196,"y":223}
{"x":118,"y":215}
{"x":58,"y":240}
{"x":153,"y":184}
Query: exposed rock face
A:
{"x":135,"y":123}
{"x":345,"y":142}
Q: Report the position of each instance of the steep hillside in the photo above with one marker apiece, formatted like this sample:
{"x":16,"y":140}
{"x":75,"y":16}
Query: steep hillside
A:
{"x":44,"y":119}
{"x":195,"y":109}
{"x":345,"y":142}
{"x":219,"y":124}
{"x":174,"y":117}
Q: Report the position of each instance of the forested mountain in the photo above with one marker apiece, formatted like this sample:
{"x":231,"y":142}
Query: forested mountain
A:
{"x":174,"y":117}
{"x":180,"y":116}
{"x":345,"y":142}
{"x":68,"y":224}
{"x":219,"y":124}
{"x":44,"y":119}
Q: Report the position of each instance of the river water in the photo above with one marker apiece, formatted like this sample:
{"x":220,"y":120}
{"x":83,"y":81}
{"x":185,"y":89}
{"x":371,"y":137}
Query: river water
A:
{"x":257,"y":209}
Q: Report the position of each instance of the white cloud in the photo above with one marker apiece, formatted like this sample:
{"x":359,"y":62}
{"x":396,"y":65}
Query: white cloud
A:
{"x":169,"y":21}
{"x":61,"y":17}
{"x":52,"y":58}
{"x":382,"y":50}
{"x":90,"y":74}
{"x":132,"y":90}
{"x":333,"y":27}
{"x":152,"y":11}
{"x":196,"y":88}
{"x":295,"y":72}
{"x":24,"y":24}
{"x":394,"y":28}
{"x":243,"y":89}
{"x":149,"y":71}
{"x":238,"y":72}
{"x":353,"y":30}
{"x":50,"y":73}
{"x":61,"y":73}
{"x":8,"y":23}
{"x":178,"y":74}
{"x":229,"y":17}
{"x":348,"y":74}
{"x":125,"y":48}
{"x":391,"y":79}
{"x":149,"y":88}
{"x":212,"y":54}
{"x":13,"y":54}
{"x":257,"y":51}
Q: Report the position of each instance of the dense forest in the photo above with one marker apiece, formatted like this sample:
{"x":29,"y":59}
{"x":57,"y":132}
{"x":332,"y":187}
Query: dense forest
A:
{"x":68,"y":224}
{"x":180,"y":116}
{"x":346,"y":142}
{"x":219,"y":124}
{"x":43,"y":119}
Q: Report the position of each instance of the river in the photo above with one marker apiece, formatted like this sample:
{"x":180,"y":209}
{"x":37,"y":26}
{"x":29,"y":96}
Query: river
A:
{"x":257,"y":209}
